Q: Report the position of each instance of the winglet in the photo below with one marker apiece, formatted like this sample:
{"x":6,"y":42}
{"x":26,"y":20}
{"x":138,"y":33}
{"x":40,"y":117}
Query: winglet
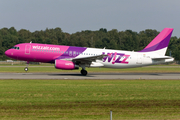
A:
{"x":161,"y":41}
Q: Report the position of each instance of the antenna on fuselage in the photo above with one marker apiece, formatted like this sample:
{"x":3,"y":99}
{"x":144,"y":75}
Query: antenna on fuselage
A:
{"x":31,"y":42}
{"x":104,"y":48}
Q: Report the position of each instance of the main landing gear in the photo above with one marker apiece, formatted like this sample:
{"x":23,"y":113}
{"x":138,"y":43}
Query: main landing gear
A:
{"x":83,"y":72}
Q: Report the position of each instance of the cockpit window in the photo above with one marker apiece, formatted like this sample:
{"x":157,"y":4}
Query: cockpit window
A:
{"x":17,"y":48}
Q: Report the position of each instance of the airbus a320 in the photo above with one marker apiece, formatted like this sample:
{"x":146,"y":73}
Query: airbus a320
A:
{"x":70,"y":57}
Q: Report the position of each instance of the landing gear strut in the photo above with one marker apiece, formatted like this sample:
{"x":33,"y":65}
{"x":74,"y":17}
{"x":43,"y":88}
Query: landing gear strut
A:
{"x":83,"y":72}
{"x":26,"y":68}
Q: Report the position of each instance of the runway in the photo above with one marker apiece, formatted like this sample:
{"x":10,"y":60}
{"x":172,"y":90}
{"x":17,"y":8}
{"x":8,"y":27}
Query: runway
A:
{"x":91,"y":76}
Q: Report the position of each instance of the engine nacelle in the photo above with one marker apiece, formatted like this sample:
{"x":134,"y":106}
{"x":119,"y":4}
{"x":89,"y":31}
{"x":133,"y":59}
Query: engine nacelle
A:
{"x":65,"y":65}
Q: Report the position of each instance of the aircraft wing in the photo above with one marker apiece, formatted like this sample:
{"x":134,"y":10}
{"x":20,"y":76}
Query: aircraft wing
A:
{"x":89,"y":59}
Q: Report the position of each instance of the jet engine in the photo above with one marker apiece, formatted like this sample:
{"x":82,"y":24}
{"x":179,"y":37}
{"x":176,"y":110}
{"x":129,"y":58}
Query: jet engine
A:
{"x":65,"y":65}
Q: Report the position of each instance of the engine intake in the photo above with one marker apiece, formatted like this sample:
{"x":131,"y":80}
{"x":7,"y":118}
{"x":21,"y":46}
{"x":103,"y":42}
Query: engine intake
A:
{"x":65,"y":65}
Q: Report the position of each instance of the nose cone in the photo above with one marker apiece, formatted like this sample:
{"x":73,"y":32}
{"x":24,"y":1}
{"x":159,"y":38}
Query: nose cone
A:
{"x":8,"y":53}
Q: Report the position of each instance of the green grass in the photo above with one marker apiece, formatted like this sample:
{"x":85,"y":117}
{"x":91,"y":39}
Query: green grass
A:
{"x":89,"y":99}
{"x":50,"y":68}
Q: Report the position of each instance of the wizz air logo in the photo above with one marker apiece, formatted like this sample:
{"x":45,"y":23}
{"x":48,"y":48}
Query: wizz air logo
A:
{"x":116,"y":58}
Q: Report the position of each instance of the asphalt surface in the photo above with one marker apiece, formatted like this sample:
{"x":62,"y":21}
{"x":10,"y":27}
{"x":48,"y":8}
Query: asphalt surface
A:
{"x":95,"y":76}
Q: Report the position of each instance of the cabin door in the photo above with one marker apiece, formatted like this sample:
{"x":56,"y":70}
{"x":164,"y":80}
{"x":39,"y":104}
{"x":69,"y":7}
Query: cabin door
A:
{"x":27,"y":49}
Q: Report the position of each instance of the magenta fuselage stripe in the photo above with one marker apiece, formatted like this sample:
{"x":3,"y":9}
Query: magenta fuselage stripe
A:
{"x":44,"y":52}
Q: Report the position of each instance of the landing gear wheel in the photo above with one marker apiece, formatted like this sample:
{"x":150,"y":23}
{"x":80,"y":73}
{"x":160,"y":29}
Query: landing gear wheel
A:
{"x":84,"y":72}
{"x":26,"y":69}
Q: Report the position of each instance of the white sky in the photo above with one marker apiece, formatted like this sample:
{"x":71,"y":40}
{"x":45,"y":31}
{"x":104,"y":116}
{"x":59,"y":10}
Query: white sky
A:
{"x":77,"y":15}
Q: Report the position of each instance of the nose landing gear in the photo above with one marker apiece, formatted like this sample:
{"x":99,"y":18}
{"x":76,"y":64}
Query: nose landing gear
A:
{"x":26,"y":68}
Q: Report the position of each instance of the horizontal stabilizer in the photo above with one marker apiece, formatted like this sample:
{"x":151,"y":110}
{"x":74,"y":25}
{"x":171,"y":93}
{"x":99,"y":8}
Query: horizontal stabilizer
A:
{"x":162,"y":57}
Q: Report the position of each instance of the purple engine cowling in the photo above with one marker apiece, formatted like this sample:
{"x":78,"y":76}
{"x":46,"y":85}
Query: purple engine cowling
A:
{"x":65,"y":65}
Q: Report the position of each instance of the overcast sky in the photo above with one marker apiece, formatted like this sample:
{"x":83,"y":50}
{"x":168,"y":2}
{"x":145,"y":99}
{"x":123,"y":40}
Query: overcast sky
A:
{"x":77,"y":15}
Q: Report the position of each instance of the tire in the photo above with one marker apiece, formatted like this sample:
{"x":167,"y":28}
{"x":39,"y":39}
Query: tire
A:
{"x":26,"y":69}
{"x":84,"y":72}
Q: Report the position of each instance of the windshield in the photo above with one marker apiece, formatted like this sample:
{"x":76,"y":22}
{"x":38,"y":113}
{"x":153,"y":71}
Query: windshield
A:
{"x":17,"y":48}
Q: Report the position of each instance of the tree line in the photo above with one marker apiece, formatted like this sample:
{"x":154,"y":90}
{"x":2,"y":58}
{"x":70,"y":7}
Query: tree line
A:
{"x":113,"y":39}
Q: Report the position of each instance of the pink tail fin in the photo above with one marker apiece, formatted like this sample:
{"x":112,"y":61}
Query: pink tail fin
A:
{"x":160,"y":41}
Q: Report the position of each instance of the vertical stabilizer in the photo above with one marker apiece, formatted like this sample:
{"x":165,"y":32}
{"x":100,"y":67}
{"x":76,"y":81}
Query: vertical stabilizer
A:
{"x":160,"y":43}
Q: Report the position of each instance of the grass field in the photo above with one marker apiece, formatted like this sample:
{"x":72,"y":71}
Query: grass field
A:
{"x":50,"y":68}
{"x":89,"y":99}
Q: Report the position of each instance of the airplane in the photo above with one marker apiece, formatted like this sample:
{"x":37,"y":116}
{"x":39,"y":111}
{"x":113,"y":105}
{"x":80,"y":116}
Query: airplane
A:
{"x":70,"y":57}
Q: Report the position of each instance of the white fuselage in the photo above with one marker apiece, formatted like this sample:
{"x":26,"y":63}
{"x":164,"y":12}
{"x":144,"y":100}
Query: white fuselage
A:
{"x":120,"y":58}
